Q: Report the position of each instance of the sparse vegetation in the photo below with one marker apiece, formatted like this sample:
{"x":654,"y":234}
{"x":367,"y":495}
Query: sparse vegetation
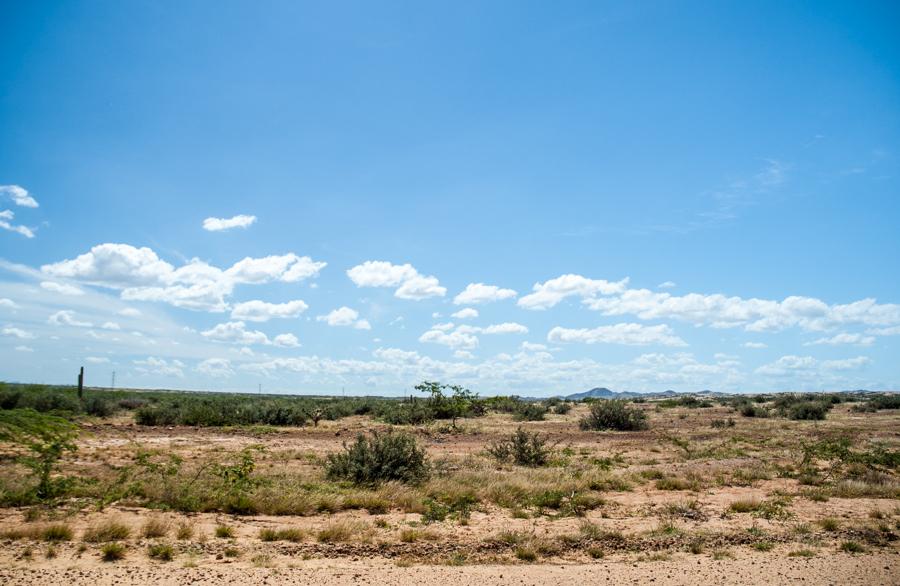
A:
{"x":379,"y":458}
{"x":523,"y":448}
{"x":112,"y":552}
{"x":109,"y":530}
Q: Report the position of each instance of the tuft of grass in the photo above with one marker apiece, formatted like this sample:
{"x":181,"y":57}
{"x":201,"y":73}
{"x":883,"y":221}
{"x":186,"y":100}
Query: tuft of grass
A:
{"x":112,"y":552}
{"x":341,"y":531}
{"x":292,"y":534}
{"x":763,"y":546}
{"x":722,"y":554}
{"x":51,"y":552}
{"x":232,"y":552}
{"x":595,"y":552}
{"x":161,"y":551}
{"x":57,"y":532}
{"x":802,"y":553}
{"x":852,"y":547}
{"x":109,"y":530}
{"x":224,"y":532}
{"x":185,"y":531}
{"x":411,"y":535}
{"x":155,"y":527}
{"x":744,"y":506}
{"x":526,"y":554}
{"x":829,"y":524}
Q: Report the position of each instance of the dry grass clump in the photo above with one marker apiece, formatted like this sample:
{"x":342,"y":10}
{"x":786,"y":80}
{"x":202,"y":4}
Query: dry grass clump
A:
{"x":224,"y":532}
{"x":161,"y":551}
{"x":112,"y":552}
{"x":829,"y":524}
{"x":292,"y":534}
{"x":344,"y":530}
{"x":744,"y":506}
{"x":57,"y":532}
{"x":412,"y":534}
{"x":184,"y":531}
{"x":155,"y":527}
{"x":109,"y":530}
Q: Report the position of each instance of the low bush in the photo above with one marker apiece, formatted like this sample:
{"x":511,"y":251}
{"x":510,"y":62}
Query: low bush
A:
{"x":530,"y":412}
{"x":522,"y":448}
{"x":161,"y":551}
{"x":379,"y":458}
{"x":112,"y":552}
{"x":616,"y":415}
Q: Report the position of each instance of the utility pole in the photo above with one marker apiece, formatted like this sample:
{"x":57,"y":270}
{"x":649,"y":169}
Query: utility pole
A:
{"x":81,"y":383}
{"x":113,"y":381}
{"x":259,"y":391}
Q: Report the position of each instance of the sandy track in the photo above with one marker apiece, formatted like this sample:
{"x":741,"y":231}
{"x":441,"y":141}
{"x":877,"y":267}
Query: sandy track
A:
{"x":839,"y":569}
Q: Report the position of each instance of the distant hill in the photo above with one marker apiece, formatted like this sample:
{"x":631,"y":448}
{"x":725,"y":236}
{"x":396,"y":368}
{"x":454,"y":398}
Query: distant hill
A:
{"x":604,"y":393}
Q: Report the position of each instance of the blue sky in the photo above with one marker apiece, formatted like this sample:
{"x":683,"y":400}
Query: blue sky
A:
{"x":643,"y":196}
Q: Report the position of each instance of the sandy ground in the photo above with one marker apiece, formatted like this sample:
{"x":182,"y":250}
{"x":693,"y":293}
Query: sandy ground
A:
{"x":457,"y":553}
{"x":837,"y":569}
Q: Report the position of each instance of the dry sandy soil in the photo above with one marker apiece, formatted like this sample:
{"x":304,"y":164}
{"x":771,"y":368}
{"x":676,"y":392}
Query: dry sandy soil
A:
{"x":640,"y":532}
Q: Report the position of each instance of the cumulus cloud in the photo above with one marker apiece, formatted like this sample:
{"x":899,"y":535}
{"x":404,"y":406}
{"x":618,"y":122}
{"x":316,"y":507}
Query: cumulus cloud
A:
{"x":142,"y":276}
{"x":345,"y":316}
{"x":505,"y":328}
{"x":261,"y":311}
{"x":235,"y":332}
{"x":6,"y":217}
{"x":549,"y":293}
{"x":628,"y":334}
{"x":24,"y":349}
{"x":19,"y":195}
{"x":159,"y":366}
{"x":844,"y":338}
{"x":454,"y":339}
{"x":219,"y":224}
{"x":756,"y":345}
{"x":130,"y":312}
{"x":111,"y":325}
{"x":286,"y":341}
{"x":792,"y":365}
{"x":61,"y":288}
{"x":666,"y":285}
{"x":67,"y":318}
{"x":215,"y":367}
{"x":467,"y":313}
{"x":8,"y":303}
{"x":17,"y":333}
{"x":97,"y":359}
{"x":477,"y":293}
{"x":405,"y":278}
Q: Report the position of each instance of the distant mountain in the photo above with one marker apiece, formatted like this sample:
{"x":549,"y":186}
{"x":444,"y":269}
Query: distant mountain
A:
{"x":601,"y":393}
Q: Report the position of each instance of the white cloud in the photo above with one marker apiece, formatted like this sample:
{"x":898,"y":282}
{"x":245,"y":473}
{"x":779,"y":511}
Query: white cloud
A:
{"x":286,"y":341}
{"x":152,"y":365}
{"x":463,"y":355}
{"x":235,"y":332}
{"x":756,"y":345}
{"x":19,"y":195}
{"x":549,"y":293}
{"x":407,"y":280}
{"x":891,"y":331}
{"x":17,"y":333}
{"x":844,"y":338}
{"x":218,"y":224}
{"x":791,"y":365}
{"x":24,"y":349}
{"x":532,"y":347}
{"x":444,"y":327}
{"x":61,"y":288}
{"x":505,"y":328}
{"x":477,"y":293}
{"x":6,"y":217}
{"x":456,"y":340}
{"x":261,"y":311}
{"x":8,"y":303}
{"x":289,"y":268}
{"x":142,"y":276}
{"x":67,"y":318}
{"x":345,"y":316}
{"x":130,"y":312}
{"x":628,"y":334}
{"x":468,"y":312}
{"x":215,"y":367}
{"x":666,"y":285}
{"x":97,"y":359}
{"x":111,"y":325}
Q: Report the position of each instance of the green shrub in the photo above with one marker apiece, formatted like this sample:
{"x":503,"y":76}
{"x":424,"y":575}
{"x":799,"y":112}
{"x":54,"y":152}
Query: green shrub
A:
{"x":99,"y":406}
{"x":616,"y":415}
{"x":112,"y":552}
{"x":380,"y":458}
{"x":161,"y":551}
{"x":522,"y":448}
{"x":530,"y":412}
{"x":224,"y":532}
{"x":57,"y":532}
{"x":809,"y":410}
